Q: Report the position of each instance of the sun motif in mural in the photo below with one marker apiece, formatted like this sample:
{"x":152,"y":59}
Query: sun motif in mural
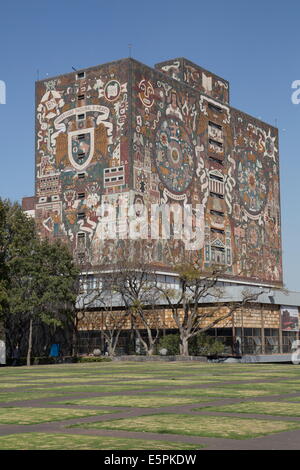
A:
{"x":270,"y":148}
{"x":253,"y":187}
{"x":174,"y":156}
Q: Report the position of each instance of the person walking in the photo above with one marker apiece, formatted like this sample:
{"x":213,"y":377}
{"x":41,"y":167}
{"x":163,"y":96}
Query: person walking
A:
{"x":16,"y":356}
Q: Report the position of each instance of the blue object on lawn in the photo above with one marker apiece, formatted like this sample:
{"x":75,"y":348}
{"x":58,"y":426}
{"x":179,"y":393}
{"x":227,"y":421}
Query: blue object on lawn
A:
{"x":54,"y":351}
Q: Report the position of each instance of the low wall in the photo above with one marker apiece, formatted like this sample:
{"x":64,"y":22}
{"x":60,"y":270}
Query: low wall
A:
{"x":160,"y":358}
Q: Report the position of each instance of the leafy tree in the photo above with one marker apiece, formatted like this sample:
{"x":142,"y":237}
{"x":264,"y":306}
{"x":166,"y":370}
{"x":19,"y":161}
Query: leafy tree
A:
{"x":39,"y":277}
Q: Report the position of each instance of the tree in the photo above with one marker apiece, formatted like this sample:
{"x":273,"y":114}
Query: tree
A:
{"x":136,"y":283}
{"x":98,"y":293}
{"x":39,"y":278}
{"x":43,"y":286}
{"x":194,"y":289}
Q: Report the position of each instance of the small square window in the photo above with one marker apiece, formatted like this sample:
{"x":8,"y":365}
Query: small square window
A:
{"x":81,"y":75}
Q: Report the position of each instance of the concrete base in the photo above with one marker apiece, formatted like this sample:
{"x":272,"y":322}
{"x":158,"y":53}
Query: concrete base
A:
{"x":266,"y":358}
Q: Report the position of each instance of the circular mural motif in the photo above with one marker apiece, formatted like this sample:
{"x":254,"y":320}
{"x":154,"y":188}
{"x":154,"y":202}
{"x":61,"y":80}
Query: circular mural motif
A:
{"x":252,"y":181}
{"x":174,"y":157}
{"x":112,"y":90}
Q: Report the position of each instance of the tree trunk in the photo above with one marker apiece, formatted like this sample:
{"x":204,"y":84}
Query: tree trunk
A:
{"x":74,"y":341}
{"x":184,"y":346}
{"x":29,"y":343}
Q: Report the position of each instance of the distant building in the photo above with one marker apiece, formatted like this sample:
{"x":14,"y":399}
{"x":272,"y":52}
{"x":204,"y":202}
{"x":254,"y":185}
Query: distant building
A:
{"x":28,"y":206}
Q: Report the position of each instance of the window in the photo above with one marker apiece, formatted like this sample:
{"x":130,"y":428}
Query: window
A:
{"x":81,"y":117}
{"x":216,"y":160}
{"x":218,"y":254}
{"x":215,"y":143}
{"x":271,"y":340}
{"x":212,"y":194}
{"x":81,"y":258}
{"x":81,"y":195}
{"x":218,"y":213}
{"x":81,"y":242}
{"x":217,"y":230}
{"x":252,"y":343}
{"x":81,"y":136}
{"x":288,"y":337}
{"x":214,"y":108}
{"x":216,"y":177}
{"x":80,"y":216}
{"x":213,"y":124}
{"x":81,"y":175}
{"x":81,"y":75}
{"x":80,"y":97}
{"x":215,"y":131}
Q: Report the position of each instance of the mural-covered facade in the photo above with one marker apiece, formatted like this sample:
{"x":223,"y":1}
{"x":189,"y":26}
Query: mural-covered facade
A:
{"x":150,"y":136}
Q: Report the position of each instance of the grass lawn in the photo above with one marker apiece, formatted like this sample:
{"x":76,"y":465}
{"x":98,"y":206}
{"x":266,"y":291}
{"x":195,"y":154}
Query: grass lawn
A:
{"x":218,"y":392}
{"x":43,"y":415}
{"x":268,"y":408}
{"x":196,"y":425}
{"x":139,"y":401}
{"x":173,"y":383}
{"x":43,"y":441}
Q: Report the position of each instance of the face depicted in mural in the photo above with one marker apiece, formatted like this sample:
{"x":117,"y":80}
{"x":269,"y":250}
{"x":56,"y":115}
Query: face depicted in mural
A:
{"x":146,"y":93}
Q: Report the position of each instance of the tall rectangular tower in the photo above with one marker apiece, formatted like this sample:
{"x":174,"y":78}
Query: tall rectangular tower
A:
{"x":151,"y":136}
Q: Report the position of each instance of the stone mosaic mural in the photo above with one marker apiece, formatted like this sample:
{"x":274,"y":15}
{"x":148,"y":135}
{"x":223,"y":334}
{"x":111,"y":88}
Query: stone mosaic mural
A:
{"x":125,"y":132}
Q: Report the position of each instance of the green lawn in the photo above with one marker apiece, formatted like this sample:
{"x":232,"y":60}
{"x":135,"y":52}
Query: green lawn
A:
{"x":176,"y":384}
{"x":196,"y":425}
{"x":23,"y":416}
{"x":268,"y":408}
{"x":43,"y":441}
{"x":139,"y":401}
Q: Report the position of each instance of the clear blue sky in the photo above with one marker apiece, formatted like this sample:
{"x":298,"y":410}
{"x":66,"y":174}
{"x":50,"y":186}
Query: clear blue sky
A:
{"x":253,"y":44}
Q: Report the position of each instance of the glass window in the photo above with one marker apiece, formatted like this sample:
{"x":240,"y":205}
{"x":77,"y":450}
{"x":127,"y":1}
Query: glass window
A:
{"x":271,"y":340}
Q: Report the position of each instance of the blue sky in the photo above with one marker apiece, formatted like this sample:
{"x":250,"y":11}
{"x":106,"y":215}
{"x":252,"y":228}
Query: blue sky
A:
{"x":253,"y":44}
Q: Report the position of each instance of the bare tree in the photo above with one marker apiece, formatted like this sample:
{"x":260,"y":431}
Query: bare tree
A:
{"x":136,"y":283}
{"x":194,"y":291}
{"x":97,"y":294}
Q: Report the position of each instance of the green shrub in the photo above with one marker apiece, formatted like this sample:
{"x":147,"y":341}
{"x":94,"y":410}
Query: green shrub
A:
{"x":171,"y":343}
{"x":93,"y":359}
{"x":204,"y":345}
{"x":200,"y":345}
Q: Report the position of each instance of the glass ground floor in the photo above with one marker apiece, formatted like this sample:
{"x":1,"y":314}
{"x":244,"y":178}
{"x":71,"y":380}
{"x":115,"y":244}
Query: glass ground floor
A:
{"x":236,"y":341}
